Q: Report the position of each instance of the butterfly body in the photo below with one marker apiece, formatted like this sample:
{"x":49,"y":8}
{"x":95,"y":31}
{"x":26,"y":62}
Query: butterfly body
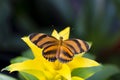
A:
{"x":54,"y":49}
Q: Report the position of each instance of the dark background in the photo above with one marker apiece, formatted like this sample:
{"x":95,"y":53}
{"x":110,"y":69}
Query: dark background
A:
{"x":91,"y":20}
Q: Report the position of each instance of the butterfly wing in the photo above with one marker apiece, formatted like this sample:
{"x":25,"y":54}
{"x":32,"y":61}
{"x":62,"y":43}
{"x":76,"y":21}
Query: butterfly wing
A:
{"x":69,"y":48}
{"x":52,"y":50}
{"x":42,"y":40}
{"x":48,"y":43}
{"x":64,"y":54}
{"x":76,"y":45}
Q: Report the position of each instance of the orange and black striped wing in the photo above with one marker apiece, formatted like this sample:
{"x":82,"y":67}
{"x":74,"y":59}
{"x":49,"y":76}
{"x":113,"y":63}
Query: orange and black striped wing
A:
{"x":64,"y":54}
{"x":76,"y":45}
{"x":48,"y":43}
{"x":49,"y":52}
{"x":42,"y":40}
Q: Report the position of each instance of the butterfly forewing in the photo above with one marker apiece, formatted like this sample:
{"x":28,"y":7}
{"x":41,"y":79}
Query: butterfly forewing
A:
{"x":42,"y":40}
{"x":76,"y":45}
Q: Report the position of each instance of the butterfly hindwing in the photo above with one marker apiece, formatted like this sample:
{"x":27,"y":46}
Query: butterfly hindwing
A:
{"x":49,"y":52}
{"x":76,"y":45}
{"x":54,"y":52}
{"x":64,"y":54}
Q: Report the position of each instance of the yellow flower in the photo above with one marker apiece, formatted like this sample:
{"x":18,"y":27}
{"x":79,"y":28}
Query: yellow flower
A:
{"x":45,"y":70}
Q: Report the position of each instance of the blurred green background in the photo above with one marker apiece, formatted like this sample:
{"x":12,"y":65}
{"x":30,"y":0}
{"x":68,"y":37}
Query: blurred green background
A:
{"x":97,"y":21}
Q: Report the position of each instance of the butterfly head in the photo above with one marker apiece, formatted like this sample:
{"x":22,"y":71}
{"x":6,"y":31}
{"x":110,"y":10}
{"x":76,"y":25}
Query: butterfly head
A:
{"x":61,"y":38}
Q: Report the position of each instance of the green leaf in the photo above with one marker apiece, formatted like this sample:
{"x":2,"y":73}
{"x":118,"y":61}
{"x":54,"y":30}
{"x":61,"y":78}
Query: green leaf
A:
{"x":90,"y":56}
{"x":5,"y":77}
{"x":18,"y":59}
{"x":28,"y":54}
{"x":26,"y":76}
{"x":86,"y":72}
{"x":105,"y":73}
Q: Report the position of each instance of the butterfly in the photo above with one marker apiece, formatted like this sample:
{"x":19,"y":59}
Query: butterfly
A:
{"x":53,"y":49}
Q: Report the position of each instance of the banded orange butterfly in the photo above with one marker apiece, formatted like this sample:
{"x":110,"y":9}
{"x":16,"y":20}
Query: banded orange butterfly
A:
{"x":53,"y":49}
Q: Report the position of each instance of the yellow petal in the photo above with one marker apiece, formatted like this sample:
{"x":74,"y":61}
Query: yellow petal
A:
{"x":38,"y":74}
{"x":82,"y":62}
{"x":77,"y":78}
{"x":26,"y":65}
{"x":55,"y":34}
{"x":65,"y":72}
{"x":65,"y":33}
{"x":35,"y":64}
{"x":34,"y":67}
{"x":46,"y":75}
{"x":36,"y":51}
